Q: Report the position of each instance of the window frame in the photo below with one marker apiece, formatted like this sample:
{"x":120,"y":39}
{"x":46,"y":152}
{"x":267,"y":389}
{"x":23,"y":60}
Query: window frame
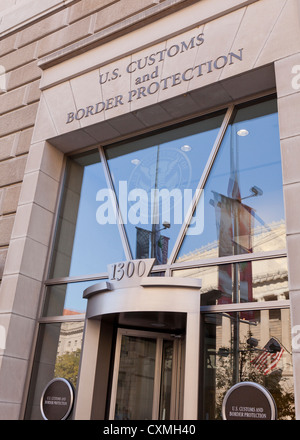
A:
{"x":172,"y":265}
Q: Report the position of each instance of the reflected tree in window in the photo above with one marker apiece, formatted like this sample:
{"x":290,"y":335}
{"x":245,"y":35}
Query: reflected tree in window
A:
{"x":234,"y":353}
{"x":67,"y":366}
{"x":274,"y":380}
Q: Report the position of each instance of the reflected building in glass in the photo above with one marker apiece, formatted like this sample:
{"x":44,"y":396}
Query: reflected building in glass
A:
{"x":149,"y":188}
{"x":237,"y":349}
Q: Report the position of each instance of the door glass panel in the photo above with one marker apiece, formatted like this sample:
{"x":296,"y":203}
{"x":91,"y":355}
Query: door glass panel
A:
{"x":143,"y":385}
{"x":136,"y":379}
{"x":166,"y":381}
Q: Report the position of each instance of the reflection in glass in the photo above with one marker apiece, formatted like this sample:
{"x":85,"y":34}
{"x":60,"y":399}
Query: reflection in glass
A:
{"x":136,"y":379}
{"x":243,"y":200}
{"x":155,"y":179}
{"x":166,"y":380}
{"x":66,"y":299}
{"x":57,"y":355}
{"x":248,"y":346}
{"x":263,"y":280}
{"x":82,"y":245}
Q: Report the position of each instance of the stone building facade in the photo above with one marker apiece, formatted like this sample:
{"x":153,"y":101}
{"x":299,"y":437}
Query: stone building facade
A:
{"x":80,"y":75}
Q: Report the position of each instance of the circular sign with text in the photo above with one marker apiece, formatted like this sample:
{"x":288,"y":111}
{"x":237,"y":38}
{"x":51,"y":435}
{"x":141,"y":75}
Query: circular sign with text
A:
{"x":57,"y":400}
{"x":248,"y":401}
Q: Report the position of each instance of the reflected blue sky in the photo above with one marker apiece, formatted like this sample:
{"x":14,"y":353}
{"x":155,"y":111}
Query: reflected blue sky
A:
{"x":67,"y":297}
{"x":95,"y":246}
{"x":175,"y":160}
{"x":175,"y":164}
{"x":74,"y":300}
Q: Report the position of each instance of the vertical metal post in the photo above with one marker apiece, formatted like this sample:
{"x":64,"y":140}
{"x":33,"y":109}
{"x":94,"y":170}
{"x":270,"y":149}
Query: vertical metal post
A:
{"x":119,"y":219}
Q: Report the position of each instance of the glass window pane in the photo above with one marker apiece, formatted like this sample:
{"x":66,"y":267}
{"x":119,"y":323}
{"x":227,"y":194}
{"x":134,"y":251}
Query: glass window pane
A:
{"x":155,"y":179}
{"x":83,"y":246}
{"x":66,"y":299}
{"x":233,"y":344}
{"x":242,"y":203}
{"x":251,"y":281}
{"x":57,"y":355}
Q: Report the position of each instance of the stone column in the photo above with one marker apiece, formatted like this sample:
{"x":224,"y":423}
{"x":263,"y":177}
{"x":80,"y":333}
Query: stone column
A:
{"x":24,"y":274}
{"x":288,"y":89}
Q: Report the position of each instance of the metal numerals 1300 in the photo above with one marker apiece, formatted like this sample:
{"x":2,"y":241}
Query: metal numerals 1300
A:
{"x":128,"y":269}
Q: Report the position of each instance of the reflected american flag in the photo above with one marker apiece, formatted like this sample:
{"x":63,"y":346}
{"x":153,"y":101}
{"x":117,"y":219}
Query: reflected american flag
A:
{"x":267,"y":360}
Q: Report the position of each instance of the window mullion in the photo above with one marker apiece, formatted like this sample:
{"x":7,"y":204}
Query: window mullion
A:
{"x":201,"y":184}
{"x":120,"y":222}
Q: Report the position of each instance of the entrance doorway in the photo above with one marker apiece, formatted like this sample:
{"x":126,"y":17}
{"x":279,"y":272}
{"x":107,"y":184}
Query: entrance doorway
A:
{"x":146,"y":379}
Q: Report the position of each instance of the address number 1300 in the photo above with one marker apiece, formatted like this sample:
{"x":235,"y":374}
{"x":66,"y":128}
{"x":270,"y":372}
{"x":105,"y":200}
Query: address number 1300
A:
{"x":128,"y":269}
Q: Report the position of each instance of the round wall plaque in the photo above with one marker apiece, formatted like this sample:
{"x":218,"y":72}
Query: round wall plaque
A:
{"x":57,"y":400}
{"x":248,"y":401}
